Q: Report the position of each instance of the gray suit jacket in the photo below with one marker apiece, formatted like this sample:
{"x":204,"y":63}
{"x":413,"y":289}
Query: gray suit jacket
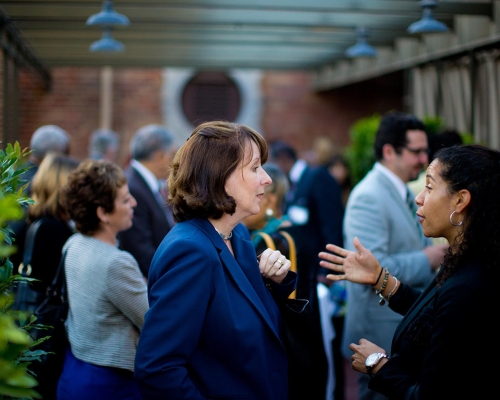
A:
{"x":378,"y":216}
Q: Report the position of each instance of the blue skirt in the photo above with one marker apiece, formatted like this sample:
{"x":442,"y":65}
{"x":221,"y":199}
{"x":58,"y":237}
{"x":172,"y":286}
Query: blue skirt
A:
{"x":83,"y":381}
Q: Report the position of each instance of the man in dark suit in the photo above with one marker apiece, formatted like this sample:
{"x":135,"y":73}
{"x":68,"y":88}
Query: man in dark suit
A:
{"x":314,"y":202}
{"x":152,"y":149}
{"x":314,"y":206}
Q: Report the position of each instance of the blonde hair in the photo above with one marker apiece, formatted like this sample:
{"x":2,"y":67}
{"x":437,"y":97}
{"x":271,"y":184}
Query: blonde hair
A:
{"x":51,"y":176}
{"x":324,"y":149}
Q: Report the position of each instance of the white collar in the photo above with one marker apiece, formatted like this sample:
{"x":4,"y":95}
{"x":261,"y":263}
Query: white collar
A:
{"x":396,"y":180}
{"x":297,"y":170}
{"x":148,"y":176}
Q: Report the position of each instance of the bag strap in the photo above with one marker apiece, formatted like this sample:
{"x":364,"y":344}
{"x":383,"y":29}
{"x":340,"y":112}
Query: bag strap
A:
{"x":267,"y":238}
{"x":292,"y":255}
{"x":58,"y":285}
{"x":29,"y":243}
{"x":292,"y":252}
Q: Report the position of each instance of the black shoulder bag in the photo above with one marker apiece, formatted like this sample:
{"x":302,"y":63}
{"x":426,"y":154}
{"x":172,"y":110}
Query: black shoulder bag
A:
{"x":27,"y":298}
{"x":53,"y":309}
{"x":51,"y":313}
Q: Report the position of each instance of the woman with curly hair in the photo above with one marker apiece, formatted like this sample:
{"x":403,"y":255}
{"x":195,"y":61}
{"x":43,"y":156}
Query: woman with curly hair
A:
{"x":106,"y":291}
{"x":436,"y":349}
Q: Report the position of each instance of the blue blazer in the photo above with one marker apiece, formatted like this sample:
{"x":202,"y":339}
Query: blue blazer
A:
{"x":213,"y":327}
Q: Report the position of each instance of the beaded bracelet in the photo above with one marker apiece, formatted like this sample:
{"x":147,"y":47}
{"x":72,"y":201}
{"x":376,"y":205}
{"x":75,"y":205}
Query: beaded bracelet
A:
{"x":384,"y":284}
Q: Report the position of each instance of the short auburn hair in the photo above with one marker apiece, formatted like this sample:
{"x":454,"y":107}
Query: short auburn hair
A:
{"x":202,"y":166}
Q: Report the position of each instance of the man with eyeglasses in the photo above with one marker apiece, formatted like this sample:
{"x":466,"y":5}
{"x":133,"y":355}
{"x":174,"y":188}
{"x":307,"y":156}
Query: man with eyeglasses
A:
{"x":381,"y":211}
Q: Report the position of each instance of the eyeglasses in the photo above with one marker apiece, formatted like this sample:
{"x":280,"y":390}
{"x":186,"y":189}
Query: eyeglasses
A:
{"x":417,"y":151}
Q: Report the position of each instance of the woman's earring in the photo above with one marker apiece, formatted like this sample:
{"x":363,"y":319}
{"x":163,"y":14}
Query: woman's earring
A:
{"x":269,"y":214}
{"x":451,"y":219}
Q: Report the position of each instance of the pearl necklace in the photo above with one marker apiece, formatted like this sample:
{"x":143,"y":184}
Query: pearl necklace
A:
{"x":224,"y":237}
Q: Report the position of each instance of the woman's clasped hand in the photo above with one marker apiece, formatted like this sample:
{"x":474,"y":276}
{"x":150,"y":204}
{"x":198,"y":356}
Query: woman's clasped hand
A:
{"x":273,"y":265}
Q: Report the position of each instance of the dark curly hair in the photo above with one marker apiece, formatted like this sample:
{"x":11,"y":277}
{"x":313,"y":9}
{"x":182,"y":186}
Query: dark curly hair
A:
{"x":94,"y":183}
{"x":477,"y":169}
{"x":202,"y":166}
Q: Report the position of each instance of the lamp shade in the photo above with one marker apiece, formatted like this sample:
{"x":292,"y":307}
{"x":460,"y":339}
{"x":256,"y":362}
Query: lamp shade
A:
{"x":107,"y":16}
{"x":427,"y":24}
{"x":361,"y":48}
{"x":107,"y":44}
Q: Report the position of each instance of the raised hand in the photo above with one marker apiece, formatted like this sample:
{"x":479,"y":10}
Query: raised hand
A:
{"x":359,"y":267}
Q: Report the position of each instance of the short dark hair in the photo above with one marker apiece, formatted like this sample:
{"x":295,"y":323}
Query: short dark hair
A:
{"x":445,"y":138}
{"x":392,"y":130}
{"x":202,"y":166}
{"x":475,"y":168}
{"x":279,"y":149}
{"x":92,"y":184}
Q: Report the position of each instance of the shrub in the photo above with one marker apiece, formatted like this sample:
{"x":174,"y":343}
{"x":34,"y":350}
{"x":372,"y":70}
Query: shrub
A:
{"x":15,"y":341}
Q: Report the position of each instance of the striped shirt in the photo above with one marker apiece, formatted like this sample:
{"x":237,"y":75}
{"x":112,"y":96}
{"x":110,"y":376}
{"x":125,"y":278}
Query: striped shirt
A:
{"x":107,"y":302}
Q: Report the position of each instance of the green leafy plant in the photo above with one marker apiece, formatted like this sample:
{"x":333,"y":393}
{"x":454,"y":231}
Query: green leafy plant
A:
{"x":15,"y":342}
{"x":360,"y":155}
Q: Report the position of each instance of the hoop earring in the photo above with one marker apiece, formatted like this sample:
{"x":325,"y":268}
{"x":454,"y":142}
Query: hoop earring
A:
{"x":451,"y":219}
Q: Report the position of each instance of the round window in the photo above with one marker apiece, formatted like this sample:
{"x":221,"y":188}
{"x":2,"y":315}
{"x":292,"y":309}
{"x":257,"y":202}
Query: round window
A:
{"x":210,"y":96}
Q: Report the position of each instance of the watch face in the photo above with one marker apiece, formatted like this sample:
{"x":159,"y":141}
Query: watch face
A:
{"x":373,"y":359}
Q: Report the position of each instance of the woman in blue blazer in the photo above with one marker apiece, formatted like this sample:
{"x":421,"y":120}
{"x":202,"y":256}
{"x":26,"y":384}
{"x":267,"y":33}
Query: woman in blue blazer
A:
{"x":441,"y":349}
{"x":213,"y":327}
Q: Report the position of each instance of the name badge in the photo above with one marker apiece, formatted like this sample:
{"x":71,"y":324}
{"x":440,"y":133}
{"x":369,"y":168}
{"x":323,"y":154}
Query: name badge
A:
{"x":298,"y":215}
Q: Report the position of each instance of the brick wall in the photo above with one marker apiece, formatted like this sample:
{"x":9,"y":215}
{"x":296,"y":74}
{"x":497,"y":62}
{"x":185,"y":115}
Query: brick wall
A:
{"x":73,"y":104}
{"x":291,"y":110}
{"x":294,"y":113}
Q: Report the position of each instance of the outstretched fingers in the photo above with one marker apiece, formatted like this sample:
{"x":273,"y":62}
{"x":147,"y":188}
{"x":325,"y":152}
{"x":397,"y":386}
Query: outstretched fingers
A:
{"x":337,"y":250}
{"x":331,"y":258}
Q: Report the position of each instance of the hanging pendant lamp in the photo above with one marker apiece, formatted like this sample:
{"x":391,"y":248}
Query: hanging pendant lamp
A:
{"x":107,"y":16}
{"x":107,"y":43}
{"x":361,"y":48}
{"x":427,"y":24}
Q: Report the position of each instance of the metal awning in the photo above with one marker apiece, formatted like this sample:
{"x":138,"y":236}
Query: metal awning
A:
{"x":222,"y":34}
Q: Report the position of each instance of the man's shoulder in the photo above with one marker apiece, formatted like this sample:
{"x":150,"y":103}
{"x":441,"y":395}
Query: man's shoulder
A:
{"x":371,"y":180}
{"x":135,"y":180}
{"x":131,"y":172}
{"x":314,"y":176}
{"x":373,"y":188}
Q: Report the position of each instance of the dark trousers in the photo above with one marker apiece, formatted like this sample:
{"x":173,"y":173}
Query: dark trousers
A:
{"x":338,"y":365}
{"x":84,"y":381}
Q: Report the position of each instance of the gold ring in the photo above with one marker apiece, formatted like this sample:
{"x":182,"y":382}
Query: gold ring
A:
{"x":281,"y":262}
